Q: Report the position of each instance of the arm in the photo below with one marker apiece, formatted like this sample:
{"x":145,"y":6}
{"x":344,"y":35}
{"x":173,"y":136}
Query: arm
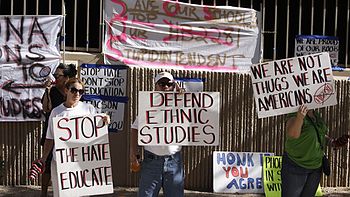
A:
{"x":46,"y":101}
{"x":47,"y":149}
{"x":295,"y":124}
{"x":133,"y":146}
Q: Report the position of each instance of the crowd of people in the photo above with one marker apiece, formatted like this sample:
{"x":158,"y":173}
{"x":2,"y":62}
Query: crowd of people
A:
{"x":162,"y":166}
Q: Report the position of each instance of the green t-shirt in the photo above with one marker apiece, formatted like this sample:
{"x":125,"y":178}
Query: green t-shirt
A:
{"x":306,"y":150}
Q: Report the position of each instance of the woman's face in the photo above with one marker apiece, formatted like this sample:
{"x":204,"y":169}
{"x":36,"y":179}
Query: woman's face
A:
{"x":60,"y":78}
{"x":74,"y":92}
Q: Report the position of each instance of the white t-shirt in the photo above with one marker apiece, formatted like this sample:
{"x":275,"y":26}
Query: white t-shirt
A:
{"x":158,"y":150}
{"x":62,"y":111}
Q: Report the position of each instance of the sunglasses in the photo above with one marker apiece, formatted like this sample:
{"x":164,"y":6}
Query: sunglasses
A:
{"x":169,"y":84}
{"x":74,"y":91}
{"x":57,"y":75}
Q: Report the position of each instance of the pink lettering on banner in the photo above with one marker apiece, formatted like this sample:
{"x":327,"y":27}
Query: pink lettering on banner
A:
{"x":123,"y":5}
{"x":207,"y":14}
{"x":183,"y":32}
{"x":167,"y":10}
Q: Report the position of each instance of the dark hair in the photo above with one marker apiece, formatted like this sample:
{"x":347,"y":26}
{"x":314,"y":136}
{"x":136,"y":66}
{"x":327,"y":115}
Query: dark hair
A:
{"x":72,"y":81}
{"x":69,"y":70}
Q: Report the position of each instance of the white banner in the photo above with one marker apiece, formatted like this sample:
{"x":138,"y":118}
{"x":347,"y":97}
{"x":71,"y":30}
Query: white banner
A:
{"x":310,"y":44}
{"x":82,"y":156}
{"x":28,"y":54}
{"x":282,"y":86}
{"x":172,"y":118}
{"x":238,"y":172}
{"x":105,"y":89}
{"x":171,"y":34}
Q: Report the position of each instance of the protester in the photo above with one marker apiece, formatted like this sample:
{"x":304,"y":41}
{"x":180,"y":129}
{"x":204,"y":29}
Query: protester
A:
{"x":162,"y":166}
{"x":72,"y":106}
{"x":54,"y":96}
{"x":302,"y":160}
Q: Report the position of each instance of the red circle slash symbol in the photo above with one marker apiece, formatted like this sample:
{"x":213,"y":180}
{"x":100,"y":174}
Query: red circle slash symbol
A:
{"x":323,"y":93}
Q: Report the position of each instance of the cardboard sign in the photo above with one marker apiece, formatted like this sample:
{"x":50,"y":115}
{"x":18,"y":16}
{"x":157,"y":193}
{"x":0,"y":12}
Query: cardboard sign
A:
{"x":172,"y":118}
{"x":105,"y":89}
{"x":171,"y":34}
{"x":29,"y":54}
{"x":282,"y":86}
{"x":272,"y":175}
{"x":82,"y":155}
{"x":238,"y":172}
{"x":310,"y":44}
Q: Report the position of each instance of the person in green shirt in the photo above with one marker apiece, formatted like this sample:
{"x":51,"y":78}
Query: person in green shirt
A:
{"x":302,"y":160}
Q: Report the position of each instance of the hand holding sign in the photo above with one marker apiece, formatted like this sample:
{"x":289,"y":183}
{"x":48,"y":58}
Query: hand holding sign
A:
{"x":38,"y":167}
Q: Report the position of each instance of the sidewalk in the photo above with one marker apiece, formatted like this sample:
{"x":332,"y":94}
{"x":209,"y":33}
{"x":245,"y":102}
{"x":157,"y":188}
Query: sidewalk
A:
{"x":33,"y":191}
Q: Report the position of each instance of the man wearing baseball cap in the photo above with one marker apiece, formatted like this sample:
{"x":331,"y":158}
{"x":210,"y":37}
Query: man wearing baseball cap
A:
{"x":162,"y":165}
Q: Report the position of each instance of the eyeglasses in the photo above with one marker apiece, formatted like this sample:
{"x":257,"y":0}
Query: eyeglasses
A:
{"x":163,"y":84}
{"x":74,"y":91}
{"x":57,"y":75}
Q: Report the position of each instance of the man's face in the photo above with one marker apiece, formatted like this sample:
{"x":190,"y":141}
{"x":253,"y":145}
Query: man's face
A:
{"x":164,"y":84}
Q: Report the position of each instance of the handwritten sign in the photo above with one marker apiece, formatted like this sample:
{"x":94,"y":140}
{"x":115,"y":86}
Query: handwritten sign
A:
{"x":28,"y":54}
{"x":172,"y":118}
{"x":82,"y":155}
{"x":105,"y":89}
{"x":272,"y":175}
{"x":310,"y":44}
{"x":171,"y":34}
{"x":282,"y":86}
{"x":238,"y":172}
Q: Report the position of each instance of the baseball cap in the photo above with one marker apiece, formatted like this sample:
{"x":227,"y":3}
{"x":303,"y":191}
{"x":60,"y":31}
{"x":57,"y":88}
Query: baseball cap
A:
{"x":163,"y":75}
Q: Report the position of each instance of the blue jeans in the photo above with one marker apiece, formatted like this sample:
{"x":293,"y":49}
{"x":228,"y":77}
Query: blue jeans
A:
{"x":298,"y":181}
{"x":161,"y":172}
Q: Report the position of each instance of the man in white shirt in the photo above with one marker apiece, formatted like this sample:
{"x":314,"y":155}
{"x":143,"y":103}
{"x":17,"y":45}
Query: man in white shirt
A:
{"x":162,"y":166}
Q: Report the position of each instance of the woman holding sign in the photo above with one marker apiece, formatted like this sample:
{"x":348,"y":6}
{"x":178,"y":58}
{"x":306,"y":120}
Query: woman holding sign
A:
{"x":304,"y":150}
{"x":53,"y":97}
{"x":72,"y":106}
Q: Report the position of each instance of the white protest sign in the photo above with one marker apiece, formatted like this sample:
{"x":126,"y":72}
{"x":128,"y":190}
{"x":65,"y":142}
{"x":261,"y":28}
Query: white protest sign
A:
{"x":82,"y":155}
{"x":105,"y":89}
{"x":310,"y":44}
{"x":238,"y":172}
{"x":172,"y":34}
{"x":172,"y":118}
{"x":190,"y":84}
{"x":28,"y":54}
{"x":282,"y":86}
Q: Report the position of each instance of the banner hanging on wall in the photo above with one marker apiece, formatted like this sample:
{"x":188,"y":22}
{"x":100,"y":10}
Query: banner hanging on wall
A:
{"x":28,"y":54}
{"x":171,"y":34}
